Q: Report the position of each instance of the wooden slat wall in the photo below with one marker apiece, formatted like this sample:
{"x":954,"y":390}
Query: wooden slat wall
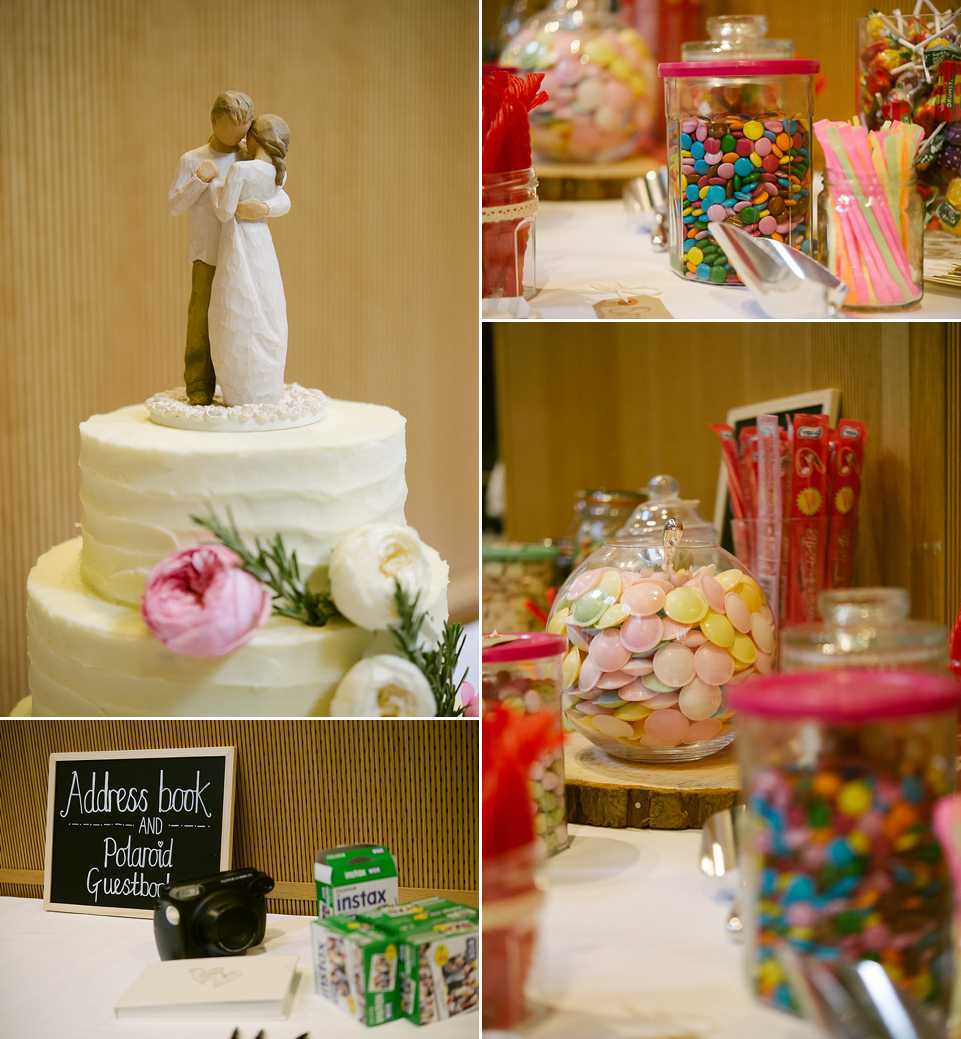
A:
{"x":99,"y":100}
{"x":301,"y":785}
{"x":610,"y":405}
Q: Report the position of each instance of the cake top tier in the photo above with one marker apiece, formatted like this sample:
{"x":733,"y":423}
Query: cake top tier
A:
{"x":142,"y":482}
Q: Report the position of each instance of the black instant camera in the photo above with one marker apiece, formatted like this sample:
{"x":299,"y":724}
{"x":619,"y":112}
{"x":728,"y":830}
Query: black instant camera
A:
{"x":223,"y":914}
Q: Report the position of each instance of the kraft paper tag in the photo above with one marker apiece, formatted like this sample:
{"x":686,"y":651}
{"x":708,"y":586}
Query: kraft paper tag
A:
{"x":634,"y":307}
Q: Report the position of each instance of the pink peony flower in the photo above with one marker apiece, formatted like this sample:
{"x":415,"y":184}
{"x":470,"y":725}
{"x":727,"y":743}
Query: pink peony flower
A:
{"x":469,"y":700}
{"x":199,"y":603}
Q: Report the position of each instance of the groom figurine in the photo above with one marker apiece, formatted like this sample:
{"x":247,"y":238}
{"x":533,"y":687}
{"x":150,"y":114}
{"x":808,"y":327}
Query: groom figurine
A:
{"x":202,"y":172}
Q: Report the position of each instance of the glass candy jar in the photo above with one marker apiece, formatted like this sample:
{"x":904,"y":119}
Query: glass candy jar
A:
{"x":865,"y":628}
{"x":599,"y":514}
{"x":508,"y":234}
{"x":870,"y":235}
{"x":516,"y":580}
{"x":523,"y":672}
{"x":599,"y":76}
{"x":658,"y":625}
{"x":841,"y":771}
{"x":738,"y":151}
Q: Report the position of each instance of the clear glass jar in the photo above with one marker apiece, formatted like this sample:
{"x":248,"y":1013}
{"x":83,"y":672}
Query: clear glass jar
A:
{"x":508,"y":243}
{"x":516,"y":580}
{"x":599,"y":76}
{"x":740,"y":36}
{"x":656,"y":634}
{"x":841,"y":771}
{"x":738,"y":151}
{"x":598,"y":515}
{"x":512,"y":897}
{"x":865,"y":628}
{"x":870,"y":235}
{"x":523,"y":672}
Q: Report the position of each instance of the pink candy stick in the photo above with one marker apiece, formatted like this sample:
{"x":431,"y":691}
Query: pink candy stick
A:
{"x":769,"y":506}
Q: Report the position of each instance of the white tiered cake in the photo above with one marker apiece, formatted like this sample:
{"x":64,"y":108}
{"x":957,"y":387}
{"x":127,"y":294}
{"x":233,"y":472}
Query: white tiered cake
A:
{"x":90,"y":650}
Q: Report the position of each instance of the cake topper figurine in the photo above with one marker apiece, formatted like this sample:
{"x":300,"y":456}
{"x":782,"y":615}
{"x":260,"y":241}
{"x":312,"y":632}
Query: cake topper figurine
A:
{"x":237,"y":316}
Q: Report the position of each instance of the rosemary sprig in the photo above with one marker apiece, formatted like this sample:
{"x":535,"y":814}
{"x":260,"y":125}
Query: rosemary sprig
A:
{"x":279,"y":571}
{"x":437,"y":665}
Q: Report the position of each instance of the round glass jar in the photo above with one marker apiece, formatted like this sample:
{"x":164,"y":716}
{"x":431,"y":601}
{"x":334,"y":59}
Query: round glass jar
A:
{"x":655,"y":636}
{"x":523,"y":672}
{"x":865,"y":628}
{"x":508,"y":240}
{"x":599,"y":76}
{"x":738,"y":151}
{"x":880,"y":275}
{"x":516,"y":579}
{"x":841,"y":772}
{"x":598,"y":515}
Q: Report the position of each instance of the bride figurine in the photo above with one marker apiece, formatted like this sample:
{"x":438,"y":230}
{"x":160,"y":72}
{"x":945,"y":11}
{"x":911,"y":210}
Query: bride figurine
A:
{"x":248,"y":311}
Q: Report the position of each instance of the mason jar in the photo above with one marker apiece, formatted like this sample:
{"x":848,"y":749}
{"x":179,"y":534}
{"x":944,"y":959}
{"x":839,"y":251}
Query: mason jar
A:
{"x":508,"y":246}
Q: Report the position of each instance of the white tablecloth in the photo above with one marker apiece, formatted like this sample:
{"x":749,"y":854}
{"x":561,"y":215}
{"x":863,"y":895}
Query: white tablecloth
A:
{"x":633,"y":946}
{"x":60,"y":974}
{"x":581,"y":244}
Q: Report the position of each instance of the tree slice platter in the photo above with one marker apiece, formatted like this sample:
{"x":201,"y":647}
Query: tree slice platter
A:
{"x":588,"y":181}
{"x":605,"y":791}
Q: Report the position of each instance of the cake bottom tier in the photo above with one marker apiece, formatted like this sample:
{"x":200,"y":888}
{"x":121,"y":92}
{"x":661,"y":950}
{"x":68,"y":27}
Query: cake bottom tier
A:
{"x":89,"y":657}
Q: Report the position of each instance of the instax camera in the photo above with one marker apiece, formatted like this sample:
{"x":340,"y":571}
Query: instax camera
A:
{"x":223,"y":914}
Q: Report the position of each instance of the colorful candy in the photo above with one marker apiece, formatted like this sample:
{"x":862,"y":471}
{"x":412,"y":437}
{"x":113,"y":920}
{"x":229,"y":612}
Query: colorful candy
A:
{"x":601,"y":89}
{"x":650,"y":685}
{"x":752,"y":172}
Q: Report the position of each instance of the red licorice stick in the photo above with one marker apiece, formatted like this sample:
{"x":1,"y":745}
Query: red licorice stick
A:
{"x":768,"y":506}
{"x":808,"y":517}
{"x":845,"y":499}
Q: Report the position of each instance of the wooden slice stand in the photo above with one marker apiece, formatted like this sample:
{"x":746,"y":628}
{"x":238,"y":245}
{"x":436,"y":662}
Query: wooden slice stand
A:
{"x":604,"y":791}
{"x":587,"y":181}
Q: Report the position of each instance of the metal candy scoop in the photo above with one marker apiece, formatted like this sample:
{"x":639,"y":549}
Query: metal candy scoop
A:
{"x":719,"y":858}
{"x":646,"y":197}
{"x":785,"y":283}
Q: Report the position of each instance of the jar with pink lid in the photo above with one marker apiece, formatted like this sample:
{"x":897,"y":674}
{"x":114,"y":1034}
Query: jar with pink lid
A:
{"x":739,"y":152}
{"x":659,"y":622}
{"x":523,"y":672}
{"x":841,"y":772}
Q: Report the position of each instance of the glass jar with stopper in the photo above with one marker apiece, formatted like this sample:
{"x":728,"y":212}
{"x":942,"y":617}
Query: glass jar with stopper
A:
{"x":659,"y":622}
{"x":741,"y":37}
{"x":865,"y":628}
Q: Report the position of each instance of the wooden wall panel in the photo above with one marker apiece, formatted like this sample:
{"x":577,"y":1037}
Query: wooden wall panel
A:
{"x":610,"y":405}
{"x":99,"y":100}
{"x":301,"y":785}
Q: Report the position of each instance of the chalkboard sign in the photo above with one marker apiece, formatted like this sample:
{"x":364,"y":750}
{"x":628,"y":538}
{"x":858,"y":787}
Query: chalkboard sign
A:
{"x":121,"y":823}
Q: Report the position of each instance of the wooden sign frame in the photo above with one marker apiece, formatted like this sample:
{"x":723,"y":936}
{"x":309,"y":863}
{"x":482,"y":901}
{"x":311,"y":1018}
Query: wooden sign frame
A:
{"x":225,"y":806}
{"x":816,"y":402}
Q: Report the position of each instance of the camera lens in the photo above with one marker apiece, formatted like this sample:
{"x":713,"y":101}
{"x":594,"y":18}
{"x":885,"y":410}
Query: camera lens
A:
{"x":226,"y":926}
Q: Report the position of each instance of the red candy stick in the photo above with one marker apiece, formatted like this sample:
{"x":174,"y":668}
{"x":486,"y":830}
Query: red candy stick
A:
{"x":808,"y":517}
{"x":845,"y":498}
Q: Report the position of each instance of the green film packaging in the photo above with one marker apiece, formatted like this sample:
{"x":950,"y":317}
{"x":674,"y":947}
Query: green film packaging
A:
{"x":354,"y":878}
{"x":438,"y":970}
{"x":355,"y":967}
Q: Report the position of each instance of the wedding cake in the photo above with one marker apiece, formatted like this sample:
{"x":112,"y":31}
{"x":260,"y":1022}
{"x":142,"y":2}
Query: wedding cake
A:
{"x":91,"y":652}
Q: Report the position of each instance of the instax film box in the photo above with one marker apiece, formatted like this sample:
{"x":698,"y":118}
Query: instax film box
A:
{"x":438,"y":970}
{"x":355,"y":967}
{"x":354,"y":878}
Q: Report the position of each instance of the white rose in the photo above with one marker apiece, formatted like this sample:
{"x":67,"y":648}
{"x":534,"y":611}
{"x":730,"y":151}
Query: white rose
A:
{"x":364,"y":566}
{"x":384,"y":686}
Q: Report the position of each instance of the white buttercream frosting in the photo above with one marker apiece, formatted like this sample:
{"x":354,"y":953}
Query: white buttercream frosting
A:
{"x":141,"y":483}
{"x":91,"y":657}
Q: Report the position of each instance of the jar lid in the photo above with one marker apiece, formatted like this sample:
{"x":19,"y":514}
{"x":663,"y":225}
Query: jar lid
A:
{"x":509,"y":648}
{"x":738,"y":69}
{"x":663,"y":503}
{"x":846,"y":696}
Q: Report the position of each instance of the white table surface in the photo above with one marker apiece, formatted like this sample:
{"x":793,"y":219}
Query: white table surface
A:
{"x":580,"y":244}
{"x":633,"y":946}
{"x":60,"y":974}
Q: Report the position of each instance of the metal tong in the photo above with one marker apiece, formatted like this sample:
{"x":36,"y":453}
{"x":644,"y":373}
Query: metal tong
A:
{"x":647,"y":198}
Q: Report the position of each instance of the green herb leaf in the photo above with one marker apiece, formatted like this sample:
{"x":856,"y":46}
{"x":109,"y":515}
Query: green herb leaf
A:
{"x":280,"y":572}
{"x":437,"y":665}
